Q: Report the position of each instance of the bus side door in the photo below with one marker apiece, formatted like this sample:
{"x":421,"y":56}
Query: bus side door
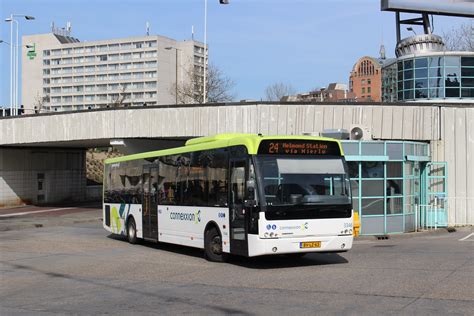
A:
{"x":150,"y":203}
{"x":238,"y":216}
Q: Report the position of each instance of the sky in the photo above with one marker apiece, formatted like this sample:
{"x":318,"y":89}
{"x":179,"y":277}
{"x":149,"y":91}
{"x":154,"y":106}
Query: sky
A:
{"x":303,"y":43}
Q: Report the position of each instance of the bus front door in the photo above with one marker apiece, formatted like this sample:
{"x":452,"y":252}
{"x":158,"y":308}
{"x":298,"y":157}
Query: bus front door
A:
{"x":149,"y":203}
{"x":238,"y":215}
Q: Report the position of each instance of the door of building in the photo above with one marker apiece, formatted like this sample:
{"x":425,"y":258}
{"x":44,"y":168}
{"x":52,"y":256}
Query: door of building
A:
{"x":433,"y":211}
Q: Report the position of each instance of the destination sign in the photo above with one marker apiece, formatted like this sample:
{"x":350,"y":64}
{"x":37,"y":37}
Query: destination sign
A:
{"x":298,"y":147}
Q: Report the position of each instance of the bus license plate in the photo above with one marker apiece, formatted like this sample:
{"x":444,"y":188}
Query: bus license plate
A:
{"x":310,"y":244}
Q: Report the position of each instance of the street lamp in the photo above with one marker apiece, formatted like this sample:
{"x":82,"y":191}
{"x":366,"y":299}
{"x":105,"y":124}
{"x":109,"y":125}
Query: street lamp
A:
{"x":176,"y":62}
{"x":14,"y":61}
{"x":205,"y":47}
{"x":411,"y":30}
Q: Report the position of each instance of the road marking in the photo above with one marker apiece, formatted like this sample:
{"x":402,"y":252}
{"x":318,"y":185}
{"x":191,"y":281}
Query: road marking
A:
{"x":462,"y":239}
{"x":36,"y":212}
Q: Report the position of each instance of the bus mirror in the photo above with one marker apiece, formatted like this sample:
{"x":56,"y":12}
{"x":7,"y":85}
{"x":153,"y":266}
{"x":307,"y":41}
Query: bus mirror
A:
{"x":251,"y":189}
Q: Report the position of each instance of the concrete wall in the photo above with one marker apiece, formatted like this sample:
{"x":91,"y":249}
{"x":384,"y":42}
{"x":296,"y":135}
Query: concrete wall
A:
{"x":61,"y":173}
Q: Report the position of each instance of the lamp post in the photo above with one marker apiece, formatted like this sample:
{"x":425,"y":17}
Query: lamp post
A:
{"x":14,"y":61}
{"x":176,"y":70}
{"x":204,"y":97}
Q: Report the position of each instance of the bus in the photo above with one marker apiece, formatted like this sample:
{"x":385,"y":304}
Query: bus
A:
{"x":234,"y":194}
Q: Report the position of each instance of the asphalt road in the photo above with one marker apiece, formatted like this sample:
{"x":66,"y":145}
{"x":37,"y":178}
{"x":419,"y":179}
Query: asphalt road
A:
{"x":76,"y":267}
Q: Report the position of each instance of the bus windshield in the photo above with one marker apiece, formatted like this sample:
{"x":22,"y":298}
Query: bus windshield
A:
{"x":304,"y":184}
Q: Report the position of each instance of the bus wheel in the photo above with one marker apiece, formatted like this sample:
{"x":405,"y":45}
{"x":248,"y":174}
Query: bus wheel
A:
{"x":213,"y":245}
{"x":131,"y":231}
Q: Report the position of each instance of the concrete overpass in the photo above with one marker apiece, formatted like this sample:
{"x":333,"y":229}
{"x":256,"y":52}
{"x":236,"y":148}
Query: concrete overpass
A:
{"x":449,"y":128}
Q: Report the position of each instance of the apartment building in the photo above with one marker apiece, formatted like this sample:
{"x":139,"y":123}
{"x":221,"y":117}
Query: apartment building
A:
{"x":61,"y":73}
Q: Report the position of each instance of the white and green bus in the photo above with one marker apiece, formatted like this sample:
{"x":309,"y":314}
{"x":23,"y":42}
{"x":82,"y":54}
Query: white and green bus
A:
{"x":239,"y":194}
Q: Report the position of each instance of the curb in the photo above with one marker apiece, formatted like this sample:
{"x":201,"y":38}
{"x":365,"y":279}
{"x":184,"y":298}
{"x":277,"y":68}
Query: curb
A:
{"x":439,"y":231}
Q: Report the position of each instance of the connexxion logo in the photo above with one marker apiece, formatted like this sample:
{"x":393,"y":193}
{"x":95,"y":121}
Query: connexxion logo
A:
{"x":191,"y":217}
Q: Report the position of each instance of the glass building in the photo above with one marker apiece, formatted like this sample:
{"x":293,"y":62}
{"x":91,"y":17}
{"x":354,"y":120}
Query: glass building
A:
{"x":391,"y":182}
{"x":436,"y":76}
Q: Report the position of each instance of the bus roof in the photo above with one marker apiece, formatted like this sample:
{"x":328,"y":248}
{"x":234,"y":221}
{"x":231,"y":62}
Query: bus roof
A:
{"x":251,"y":141}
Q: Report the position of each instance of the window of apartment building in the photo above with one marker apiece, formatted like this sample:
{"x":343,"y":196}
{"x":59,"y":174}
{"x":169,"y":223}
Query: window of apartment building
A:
{"x":56,"y":71}
{"x":45,"y":71}
{"x":66,"y":61}
{"x":138,"y":44}
{"x":114,"y":77}
{"x":114,"y":96}
{"x":126,"y":66}
{"x":138,"y":95}
{"x":67,"y":99}
{"x":56,"y":52}
{"x":150,"y":95}
{"x":368,"y":89}
{"x":114,"y":47}
{"x":150,"y":74}
{"x":55,"y":99}
{"x":67,"y":79}
{"x":369,"y":81}
{"x":101,"y":77}
{"x":362,"y":81}
{"x":101,"y":87}
{"x":125,"y":56}
{"x":102,"y":48}
{"x":79,"y":79}
{"x":151,"y":85}
{"x":363,"y":90}
{"x":102,"y":58}
{"x":126,"y":46}
{"x":138,"y":75}
{"x":89,"y":88}
{"x":78,"y":88}
{"x":114,"y":67}
{"x":89,"y":69}
{"x":53,"y":80}
{"x":89,"y":78}
{"x":114,"y":57}
{"x":102,"y":97}
{"x":138,"y":85}
{"x":151,"y":64}
{"x":89,"y":49}
{"x":112,"y":87}
{"x":125,"y":76}
{"x":46,"y":53}
{"x":137,"y":55}
{"x":56,"y":90}
{"x":151,"y":54}
{"x":89,"y":97}
{"x":46,"y":62}
{"x":78,"y":60}
{"x":46,"y":90}
{"x":101,"y":67}
{"x":90,"y":59}
{"x":78,"y":98}
{"x":67,"y":89}
{"x":126,"y":86}
{"x":67,"y":51}
{"x":55,"y":61}
{"x":137,"y":65}
{"x":67,"y":70}
{"x":79,"y":50}
{"x":151,"y":44}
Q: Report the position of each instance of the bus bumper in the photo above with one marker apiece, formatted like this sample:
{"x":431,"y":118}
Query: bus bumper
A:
{"x":261,"y":246}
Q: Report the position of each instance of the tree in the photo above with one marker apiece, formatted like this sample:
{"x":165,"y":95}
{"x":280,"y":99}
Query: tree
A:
{"x":461,"y":38}
{"x":277,"y":91}
{"x":218,"y":89}
{"x":39,"y":102}
{"x":119,"y":99}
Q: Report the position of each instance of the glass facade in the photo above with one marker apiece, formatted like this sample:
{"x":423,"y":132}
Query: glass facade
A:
{"x":435,"y":77}
{"x":385,"y":180}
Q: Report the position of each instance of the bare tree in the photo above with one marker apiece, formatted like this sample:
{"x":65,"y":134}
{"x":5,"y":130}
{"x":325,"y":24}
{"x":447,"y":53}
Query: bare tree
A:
{"x":119,"y":100}
{"x":39,"y":102}
{"x":461,"y":38}
{"x":277,"y":91}
{"x":218,"y":89}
